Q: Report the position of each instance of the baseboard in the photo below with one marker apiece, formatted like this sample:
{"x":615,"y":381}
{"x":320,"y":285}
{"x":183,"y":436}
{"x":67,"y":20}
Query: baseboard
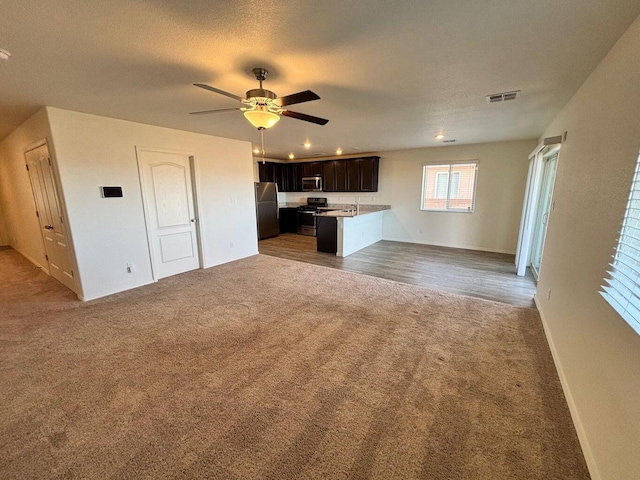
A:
{"x":463,"y":247}
{"x":582,"y":436}
{"x":32,"y":260}
{"x":113,"y":292}
{"x":233,"y":259}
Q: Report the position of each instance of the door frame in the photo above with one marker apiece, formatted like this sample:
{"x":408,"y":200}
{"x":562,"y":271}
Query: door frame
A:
{"x":538,"y":224}
{"x":62,"y":204}
{"x":146,"y":208}
{"x":532,"y":195}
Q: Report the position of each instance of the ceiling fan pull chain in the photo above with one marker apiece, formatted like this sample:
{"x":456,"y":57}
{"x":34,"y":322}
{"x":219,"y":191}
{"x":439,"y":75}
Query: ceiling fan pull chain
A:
{"x":262,"y":139}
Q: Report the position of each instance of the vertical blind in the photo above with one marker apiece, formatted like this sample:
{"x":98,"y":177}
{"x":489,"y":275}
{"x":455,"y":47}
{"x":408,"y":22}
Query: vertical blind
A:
{"x":622,"y":285}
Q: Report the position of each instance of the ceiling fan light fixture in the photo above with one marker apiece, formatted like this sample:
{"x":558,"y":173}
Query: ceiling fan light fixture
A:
{"x":260,"y":117}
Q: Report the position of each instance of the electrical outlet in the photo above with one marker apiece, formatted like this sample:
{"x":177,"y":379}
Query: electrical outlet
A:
{"x":129,"y":267}
{"x":549,"y":294}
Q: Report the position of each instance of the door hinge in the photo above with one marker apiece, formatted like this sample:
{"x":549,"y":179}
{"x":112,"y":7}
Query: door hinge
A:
{"x":47,"y":257}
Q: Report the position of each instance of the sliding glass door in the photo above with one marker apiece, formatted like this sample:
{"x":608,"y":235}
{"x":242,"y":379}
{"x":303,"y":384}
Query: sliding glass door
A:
{"x":542,"y":212}
{"x":537,"y":206}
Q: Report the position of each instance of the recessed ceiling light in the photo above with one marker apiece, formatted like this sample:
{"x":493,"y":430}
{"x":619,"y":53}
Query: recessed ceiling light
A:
{"x":292,"y":156}
{"x":256,"y":150}
{"x":339,"y":151}
{"x":4,"y":55}
{"x":439,"y":136}
{"x":307,"y":144}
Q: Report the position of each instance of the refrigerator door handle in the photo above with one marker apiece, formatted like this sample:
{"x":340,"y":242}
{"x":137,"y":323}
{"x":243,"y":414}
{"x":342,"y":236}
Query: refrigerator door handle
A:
{"x":277,"y":205}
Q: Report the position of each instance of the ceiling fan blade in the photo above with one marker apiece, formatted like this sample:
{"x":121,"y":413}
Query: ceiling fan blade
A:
{"x":217,"y":90}
{"x":299,"y":97}
{"x":305,"y":117}
{"x":204,"y":112}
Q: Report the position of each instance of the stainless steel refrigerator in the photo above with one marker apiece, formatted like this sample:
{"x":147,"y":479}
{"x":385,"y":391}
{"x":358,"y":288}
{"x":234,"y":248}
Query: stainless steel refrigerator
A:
{"x":267,"y":210}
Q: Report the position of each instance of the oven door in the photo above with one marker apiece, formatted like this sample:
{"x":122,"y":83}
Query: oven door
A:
{"x":307,"y":223}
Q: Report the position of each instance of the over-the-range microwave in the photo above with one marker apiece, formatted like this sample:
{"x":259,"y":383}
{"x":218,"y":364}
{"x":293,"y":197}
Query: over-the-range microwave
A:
{"x":311,"y":184}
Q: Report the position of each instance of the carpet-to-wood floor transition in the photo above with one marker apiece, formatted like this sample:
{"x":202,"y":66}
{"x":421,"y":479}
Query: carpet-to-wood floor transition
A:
{"x":268,"y":368}
{"x":487,"y":275}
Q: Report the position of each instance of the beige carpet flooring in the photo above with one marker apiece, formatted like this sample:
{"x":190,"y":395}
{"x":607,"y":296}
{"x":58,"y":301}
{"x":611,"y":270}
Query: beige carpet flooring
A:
{"x":272,"y":369}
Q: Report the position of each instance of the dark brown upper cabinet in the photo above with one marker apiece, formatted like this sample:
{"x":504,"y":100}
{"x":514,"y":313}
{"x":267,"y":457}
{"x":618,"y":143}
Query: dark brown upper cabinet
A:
{"x":267,"y":171}
{"x":369,"y":174}
{"x":312,"y":169}
{"x":343,"y":175}
{"x":329,"y":176}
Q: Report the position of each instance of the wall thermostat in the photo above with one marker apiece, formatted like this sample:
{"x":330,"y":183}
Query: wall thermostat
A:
{"x":110,"y":192}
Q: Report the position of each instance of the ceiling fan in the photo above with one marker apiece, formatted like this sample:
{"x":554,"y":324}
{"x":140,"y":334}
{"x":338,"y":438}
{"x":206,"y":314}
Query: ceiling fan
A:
{"x":263,"y":108}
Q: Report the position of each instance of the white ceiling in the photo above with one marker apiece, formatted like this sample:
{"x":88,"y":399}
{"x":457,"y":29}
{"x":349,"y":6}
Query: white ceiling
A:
{"x":390,"y":75}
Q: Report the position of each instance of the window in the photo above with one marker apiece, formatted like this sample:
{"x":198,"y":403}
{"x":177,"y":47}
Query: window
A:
{"x":442,"y":184}
{"x":622,"y":288}
{"x":449,"y":186}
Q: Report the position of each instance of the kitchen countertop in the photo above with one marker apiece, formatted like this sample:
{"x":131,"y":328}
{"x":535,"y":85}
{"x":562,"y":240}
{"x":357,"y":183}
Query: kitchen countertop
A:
{"x":351,"y":212}
{"x":364,"y":208}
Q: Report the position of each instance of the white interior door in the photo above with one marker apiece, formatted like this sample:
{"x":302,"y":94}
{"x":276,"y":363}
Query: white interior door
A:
{"x":169,"y":210}
{"x":50,"y":215}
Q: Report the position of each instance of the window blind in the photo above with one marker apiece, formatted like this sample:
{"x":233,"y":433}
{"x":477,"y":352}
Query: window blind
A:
{"x":622,"y":285}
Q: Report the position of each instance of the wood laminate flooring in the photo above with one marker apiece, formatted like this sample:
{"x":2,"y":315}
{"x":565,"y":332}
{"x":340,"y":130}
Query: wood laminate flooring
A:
{"x":491,"y":276}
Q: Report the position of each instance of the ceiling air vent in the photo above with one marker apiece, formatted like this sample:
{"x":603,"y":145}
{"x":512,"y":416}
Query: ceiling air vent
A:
{"x":450,"y":141}
{"x":502,"y":97}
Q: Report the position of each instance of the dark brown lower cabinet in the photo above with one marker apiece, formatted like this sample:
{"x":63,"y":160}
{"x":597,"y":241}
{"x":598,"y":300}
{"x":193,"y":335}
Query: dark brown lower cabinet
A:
{"x":327,"y":234}
{"x":289,"y":220}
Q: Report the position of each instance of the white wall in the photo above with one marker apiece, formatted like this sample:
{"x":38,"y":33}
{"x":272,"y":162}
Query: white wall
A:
{"x":597,"y":353}
{"x":21,"y":228}
{"x":502,"y":175}
{"x":92,"y":151}
{"x":356,"y":233}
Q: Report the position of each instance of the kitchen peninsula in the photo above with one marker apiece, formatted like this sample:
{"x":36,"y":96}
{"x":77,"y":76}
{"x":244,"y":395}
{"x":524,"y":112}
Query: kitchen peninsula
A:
{"x":346,"y":231}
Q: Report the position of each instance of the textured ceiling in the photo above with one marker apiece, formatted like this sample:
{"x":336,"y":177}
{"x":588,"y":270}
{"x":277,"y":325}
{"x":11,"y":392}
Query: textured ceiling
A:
{"x":390,"y":75}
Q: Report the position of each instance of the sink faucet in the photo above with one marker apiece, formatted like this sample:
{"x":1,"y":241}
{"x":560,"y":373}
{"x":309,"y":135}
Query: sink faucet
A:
{"x":357,"y":207}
